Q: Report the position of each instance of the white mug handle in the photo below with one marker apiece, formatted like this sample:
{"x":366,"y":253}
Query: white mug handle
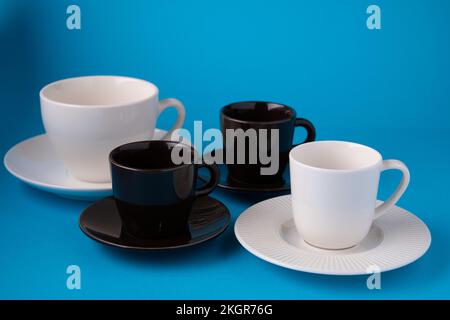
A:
{"x":397,"y":165}
{"x":169,"y":103}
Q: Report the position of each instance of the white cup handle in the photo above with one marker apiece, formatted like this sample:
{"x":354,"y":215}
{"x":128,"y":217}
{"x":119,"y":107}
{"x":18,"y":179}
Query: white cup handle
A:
{"x":173,"y":103}
{"x":397,"y":165}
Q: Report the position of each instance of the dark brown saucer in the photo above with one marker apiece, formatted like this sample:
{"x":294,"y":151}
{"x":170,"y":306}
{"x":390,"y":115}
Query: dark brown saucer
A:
{"x":101,"y":222}
{"x":228,"y":183}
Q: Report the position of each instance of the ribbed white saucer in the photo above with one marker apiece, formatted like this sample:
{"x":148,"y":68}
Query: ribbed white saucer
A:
{"x":267,"y":230}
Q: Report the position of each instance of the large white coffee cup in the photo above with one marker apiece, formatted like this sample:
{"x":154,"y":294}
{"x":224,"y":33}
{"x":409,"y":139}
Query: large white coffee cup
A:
{"x":87,"y":117}
{"x":334,"y":187}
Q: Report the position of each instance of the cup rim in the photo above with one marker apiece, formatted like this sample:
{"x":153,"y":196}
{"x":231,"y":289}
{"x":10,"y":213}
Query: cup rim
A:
{"x":258,"y":122}
{"x":43,"y":93}
{"x":128,"y":168}
{"x":337,"y":171}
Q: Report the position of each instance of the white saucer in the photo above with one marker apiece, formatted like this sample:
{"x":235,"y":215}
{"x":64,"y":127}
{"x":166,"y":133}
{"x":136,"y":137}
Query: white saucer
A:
{"x":267,"y":230}
{"x":35,"y":162}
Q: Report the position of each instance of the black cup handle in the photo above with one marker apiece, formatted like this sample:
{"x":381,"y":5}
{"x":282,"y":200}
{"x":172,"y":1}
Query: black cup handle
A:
{"x":213,"y":180}
{"x":310,"y":129}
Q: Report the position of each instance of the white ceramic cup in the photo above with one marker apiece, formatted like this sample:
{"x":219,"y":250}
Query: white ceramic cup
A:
{"x":334,"y":187}
{"x":87,"y":117}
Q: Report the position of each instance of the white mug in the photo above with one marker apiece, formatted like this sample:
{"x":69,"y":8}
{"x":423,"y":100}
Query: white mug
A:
{"x":87,"y":117}
{"x":334,"y":187}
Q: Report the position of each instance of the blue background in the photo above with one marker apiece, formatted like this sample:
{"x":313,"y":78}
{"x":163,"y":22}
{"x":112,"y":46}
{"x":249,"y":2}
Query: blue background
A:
{"x":387,"y":88}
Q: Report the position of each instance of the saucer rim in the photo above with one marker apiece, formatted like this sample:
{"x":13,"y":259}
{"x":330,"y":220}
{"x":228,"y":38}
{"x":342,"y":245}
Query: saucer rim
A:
{"x":262,"y":256}
{"x":141,"y":249}
{"x":93,"y":187}
{"x":44,"y":185}
{"x":253,"y":189}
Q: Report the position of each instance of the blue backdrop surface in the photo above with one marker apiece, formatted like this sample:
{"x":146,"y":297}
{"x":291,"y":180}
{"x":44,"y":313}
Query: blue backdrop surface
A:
{"x":387,"y":88}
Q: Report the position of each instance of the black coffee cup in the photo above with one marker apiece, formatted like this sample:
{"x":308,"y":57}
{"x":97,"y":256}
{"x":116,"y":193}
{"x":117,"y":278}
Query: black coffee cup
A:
{"x":261,"y":115}
{"x":153,"y":194}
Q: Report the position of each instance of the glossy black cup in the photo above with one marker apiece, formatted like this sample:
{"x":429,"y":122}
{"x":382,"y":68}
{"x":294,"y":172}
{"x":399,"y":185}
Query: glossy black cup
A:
{"x":153,"y":194}
{"x":262,"y":115}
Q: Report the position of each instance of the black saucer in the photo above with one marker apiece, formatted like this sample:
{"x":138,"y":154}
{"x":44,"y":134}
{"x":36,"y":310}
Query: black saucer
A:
{"x":101,"y":221}
{"x":226,"y":182}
